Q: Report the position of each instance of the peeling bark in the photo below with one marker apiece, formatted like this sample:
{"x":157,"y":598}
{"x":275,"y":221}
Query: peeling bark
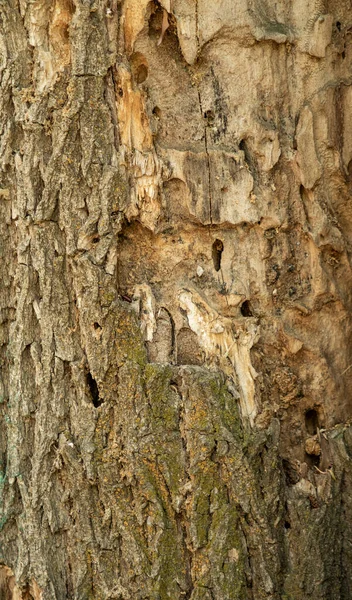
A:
{"x":175,"y":217}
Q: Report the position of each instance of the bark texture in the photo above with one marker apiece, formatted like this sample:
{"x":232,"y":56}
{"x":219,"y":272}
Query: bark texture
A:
{"x":175,"y":307}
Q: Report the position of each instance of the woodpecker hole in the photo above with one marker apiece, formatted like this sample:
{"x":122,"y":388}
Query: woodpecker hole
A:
{"x":311,"y":421}
{"x":94,"y":391}
{"x":217,"y":250}
{"x":246,"y":310}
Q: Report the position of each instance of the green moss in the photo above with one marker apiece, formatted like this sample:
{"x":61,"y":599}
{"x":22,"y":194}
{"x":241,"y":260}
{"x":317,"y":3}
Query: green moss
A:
{"x":3,"y":521}
{"x":178,"y":438}
{"x":172,"y":575}
{"x":227,"y":407}
{"x":161,"y":398}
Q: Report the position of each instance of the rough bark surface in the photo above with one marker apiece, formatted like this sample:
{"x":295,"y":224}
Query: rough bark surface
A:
{"x":175,"y":307}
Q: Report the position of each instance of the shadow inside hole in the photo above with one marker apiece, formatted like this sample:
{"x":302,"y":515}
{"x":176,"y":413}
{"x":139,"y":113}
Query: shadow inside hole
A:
{"x":157,"y":112}
{"x":312,"y":460}
{"x":139,"y":67}
{"x":94,"y":391}
{"x":311,"y":421}
{"x":243,"y":145}
{"x":217,"y":250}
{"x":246,"y":310}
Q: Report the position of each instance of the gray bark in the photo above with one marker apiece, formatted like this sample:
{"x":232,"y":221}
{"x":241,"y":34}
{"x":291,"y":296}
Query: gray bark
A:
{"x":175,"y":317}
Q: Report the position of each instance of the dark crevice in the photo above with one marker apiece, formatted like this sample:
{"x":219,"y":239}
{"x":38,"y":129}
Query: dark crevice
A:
{"x":311,"y":421}
{"x":243,"y":146}
{"x":217,"y":250}
{"x":249,"y":159}
{"x":110,"y":94}
{"x":157,"y":112}
{"x":312,"y":460}
{"x":173,"y":335}
{"x":303,"y":192}
{"x":246,"y":310}
{"x":94,"y":391}
{"x":174,"y":385}
{"x":214,"y":452}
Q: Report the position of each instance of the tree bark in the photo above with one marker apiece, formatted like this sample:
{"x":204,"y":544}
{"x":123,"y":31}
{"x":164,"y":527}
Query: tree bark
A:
{"x":175,"y":201}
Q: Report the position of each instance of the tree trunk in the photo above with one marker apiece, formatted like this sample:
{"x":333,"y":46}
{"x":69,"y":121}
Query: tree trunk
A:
{"x":176,"y":231}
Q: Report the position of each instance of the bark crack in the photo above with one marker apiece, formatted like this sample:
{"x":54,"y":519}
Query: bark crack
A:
{"x":202,"y":116}
{"x":197,"y":27}
{"x":208,"y":157}
{"x":111,"y":95}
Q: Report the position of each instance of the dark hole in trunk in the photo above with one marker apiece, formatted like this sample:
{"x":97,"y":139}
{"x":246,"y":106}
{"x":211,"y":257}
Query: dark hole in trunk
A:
{"x":94,"y":391}
{"x":246,"y":310}
{"x":312,"y":421}
{"x":312,"y":460}
{"x":217,"y":251}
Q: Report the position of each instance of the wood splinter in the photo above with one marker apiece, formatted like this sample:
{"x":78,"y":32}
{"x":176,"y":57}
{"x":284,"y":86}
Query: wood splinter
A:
{"x":328,"y":471}
{"x":164,"y":25}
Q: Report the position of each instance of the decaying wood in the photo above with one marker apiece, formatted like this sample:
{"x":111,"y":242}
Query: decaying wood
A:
{"x":175,"y":201}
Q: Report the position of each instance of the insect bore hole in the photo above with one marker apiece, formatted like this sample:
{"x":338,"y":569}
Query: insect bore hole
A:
{"x":217,"y":250}
{"x":157,"y":112}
